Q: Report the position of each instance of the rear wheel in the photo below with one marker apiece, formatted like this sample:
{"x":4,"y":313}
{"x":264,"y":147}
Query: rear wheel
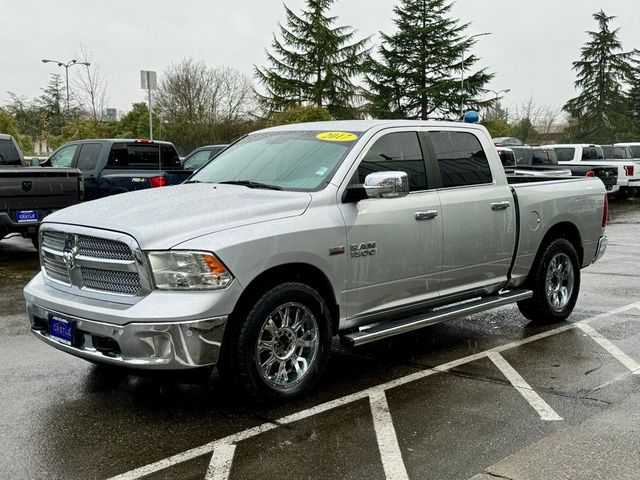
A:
{"x":555,"y":281}
{"x":280,"y":348}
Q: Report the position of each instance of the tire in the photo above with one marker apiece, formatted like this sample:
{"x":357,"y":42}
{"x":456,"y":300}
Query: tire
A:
{"x":279,"y":349}
{"x":556,"y":304}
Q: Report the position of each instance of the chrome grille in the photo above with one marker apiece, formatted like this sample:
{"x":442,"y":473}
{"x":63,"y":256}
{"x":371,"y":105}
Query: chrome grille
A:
{"x":126,"y":283}
{"x":103,"y":248}
{"x":97,"y":264}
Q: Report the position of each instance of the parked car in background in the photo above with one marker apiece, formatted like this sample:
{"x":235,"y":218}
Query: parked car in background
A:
{"x":201,"y":155}
{"x":10,"y":153}
{"x":363,"y":229}
{"x":627,"y":171}
{"x":120,"y":165}
{"x":507,"y":141}
{"x":28,"y":195}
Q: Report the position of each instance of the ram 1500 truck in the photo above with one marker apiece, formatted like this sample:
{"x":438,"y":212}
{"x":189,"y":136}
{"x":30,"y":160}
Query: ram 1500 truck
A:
{"x":27,"y":195}
{"x":121,"y":165}
{"x":294,"y":234}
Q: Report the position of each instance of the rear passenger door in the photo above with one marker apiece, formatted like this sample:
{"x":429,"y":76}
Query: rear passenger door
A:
{"x":394,"y":245}
{"x":478,"y":213}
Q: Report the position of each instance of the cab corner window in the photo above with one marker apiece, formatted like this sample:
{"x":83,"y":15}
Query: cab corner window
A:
{"x":461,"y":159}
{"x":396,"y":152}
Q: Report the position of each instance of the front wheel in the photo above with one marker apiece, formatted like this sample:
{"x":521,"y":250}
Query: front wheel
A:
{"x":280,"y":348}
{"x":555,"y":281}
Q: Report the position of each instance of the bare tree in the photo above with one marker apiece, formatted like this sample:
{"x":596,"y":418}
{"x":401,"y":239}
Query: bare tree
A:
{"x":533,"y":120}
{"x":90,"y":88}
{"x":198,"y":103}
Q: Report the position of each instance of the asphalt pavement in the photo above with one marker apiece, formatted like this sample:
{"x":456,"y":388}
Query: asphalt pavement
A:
{"x":484,"y":397}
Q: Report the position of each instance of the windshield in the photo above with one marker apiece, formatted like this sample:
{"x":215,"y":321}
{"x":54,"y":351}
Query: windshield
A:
{"x":290,"y":160}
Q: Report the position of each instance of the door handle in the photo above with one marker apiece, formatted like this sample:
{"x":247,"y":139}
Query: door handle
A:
{"x":500,"y":205}
{"x":428,"y":215}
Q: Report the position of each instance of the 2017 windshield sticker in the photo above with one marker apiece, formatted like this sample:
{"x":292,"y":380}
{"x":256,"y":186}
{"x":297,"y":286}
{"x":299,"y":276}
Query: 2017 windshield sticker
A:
{"x":337,"y":136}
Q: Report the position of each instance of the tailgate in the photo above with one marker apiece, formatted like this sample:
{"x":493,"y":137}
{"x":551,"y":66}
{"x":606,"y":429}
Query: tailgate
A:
{"x":608,"y":175}
{"x":38,"y":188}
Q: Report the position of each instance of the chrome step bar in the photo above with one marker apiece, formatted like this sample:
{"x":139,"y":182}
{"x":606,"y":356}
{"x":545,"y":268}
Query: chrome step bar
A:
{"x":396,"y":327}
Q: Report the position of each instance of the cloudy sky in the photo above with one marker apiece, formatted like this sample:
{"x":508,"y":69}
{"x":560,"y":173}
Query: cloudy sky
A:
{"x":531,"y":48}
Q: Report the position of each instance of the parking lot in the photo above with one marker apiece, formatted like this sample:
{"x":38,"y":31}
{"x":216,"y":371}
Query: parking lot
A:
{"x":488,"y":396}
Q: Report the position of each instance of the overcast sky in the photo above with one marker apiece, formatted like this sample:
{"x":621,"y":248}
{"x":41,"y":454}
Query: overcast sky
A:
{"x":532,"y":45}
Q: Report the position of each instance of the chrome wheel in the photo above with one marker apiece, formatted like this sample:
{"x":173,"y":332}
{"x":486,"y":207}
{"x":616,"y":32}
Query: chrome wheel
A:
{"x":559,"y":281}
{"x":287,"y":345}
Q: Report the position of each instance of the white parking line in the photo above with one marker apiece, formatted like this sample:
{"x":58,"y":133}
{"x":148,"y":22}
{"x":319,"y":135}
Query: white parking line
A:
{"x":544,"y":410}
{"x":618,"y":354}
{"x":221,"y":460}
{"x":387,"y":440}
{"x":330,"y":405}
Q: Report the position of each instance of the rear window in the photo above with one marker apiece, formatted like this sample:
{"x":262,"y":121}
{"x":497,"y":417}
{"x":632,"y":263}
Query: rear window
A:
{"x":635,"y":150}
{"x":143,"y":156}
{"x":507,"y":158}
{"x":592,"y":153}
{"x":8,"y":153}
{"x":543,"y":156}
{"x":565,"y":154}
{"x":461,"y":159}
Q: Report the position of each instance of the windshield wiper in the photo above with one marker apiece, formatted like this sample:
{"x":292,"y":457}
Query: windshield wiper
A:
{"x":252,"y":184}
{"x":194,"y":181}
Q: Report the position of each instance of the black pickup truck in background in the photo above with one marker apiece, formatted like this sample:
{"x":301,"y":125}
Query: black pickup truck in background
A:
{"x":28,"y":194}
{"x":111,"y":166}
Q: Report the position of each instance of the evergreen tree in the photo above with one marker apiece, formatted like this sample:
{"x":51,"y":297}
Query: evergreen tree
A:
{"x":50,"y":104}
{"x":314,"y":63}
{"x":602,"y":105}
{"x":420,"y":65}
{"x":634,"y":103}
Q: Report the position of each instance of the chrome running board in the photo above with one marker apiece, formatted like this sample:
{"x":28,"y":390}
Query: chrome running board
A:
{"x":396,"y":327}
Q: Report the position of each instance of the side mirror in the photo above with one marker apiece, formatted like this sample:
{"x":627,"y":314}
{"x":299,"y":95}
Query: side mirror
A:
{"x":35,"y":162}
{"x":386,"y":185}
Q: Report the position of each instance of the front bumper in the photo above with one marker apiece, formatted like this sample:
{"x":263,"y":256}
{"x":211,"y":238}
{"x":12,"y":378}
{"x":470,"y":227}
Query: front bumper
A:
{"x":167,"y":345}
{"x":602,"y":248}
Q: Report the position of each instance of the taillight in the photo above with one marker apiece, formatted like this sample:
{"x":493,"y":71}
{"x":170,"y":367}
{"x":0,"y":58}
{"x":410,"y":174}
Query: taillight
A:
{"x":158,"y":182}
{"x":629,"y":170}
{"x":144,"y":140}
{"x":590,"y":174}
{"x":605,"y":213}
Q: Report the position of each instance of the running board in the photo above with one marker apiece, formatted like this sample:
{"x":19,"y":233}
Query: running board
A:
{"x":389,"y":329}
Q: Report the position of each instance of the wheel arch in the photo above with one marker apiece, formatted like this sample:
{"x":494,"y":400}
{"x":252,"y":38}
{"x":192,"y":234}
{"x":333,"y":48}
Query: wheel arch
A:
{"x":288,"y":272}
{"x":567,"y":230}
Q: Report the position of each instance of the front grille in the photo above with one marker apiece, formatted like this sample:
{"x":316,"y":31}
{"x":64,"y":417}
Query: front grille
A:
{"x":90,"y":268}
{"x":127,"y":283}
{"x":103,"y":248}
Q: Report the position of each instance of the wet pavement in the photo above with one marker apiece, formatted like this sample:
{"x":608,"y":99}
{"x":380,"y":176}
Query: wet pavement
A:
{"x":488,"y":396}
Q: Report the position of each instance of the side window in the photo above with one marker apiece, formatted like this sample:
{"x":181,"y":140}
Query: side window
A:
{"x":197,"y":160}
{"x":63,"y":157}
{"x":88,"y":156}
{"x":8,"y":153}
{"x":399,"y":152}
{"x":461,"y":159}
{"x":170,"y":158}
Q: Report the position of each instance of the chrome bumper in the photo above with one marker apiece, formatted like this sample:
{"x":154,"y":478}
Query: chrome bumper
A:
{"x":602,"y":248}
{"x":166,"y":346}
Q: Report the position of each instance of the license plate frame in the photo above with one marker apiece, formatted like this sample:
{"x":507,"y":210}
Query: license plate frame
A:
{"x":61,"y":330}
{"x":26,"y":216}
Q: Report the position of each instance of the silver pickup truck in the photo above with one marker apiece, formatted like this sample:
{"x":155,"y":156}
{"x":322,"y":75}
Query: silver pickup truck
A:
{"x":295,"y":234}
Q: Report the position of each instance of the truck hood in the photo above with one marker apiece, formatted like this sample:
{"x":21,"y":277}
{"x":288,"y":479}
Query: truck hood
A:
{"x":160,"y":218}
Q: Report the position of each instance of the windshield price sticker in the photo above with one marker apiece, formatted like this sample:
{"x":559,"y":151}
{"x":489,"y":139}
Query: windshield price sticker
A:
{"x":337,"y":137}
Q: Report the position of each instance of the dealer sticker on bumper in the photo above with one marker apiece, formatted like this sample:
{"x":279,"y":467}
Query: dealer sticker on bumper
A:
{"x":26,"y":216}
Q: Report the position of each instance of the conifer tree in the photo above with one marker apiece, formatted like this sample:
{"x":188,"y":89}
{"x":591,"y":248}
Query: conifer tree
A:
{"x":420,"y":66}
{"x":603,"y":70}
{"x":313,"y":63}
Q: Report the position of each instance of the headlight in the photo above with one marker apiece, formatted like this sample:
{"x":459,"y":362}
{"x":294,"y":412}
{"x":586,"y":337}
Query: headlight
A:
{"x":183,"y":270}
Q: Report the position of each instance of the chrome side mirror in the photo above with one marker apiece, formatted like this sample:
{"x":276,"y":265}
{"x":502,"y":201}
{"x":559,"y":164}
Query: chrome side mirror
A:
{"x":386,"y":184}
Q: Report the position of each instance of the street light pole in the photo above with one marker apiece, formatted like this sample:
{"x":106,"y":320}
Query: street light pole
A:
{"x":66,"y":66}
{"x":497,"y":94}
{"x":462,"y":70}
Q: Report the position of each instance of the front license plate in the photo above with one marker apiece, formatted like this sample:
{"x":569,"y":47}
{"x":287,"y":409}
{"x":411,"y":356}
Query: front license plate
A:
{"x":25,"y":216}
{"x":61,"y":330}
